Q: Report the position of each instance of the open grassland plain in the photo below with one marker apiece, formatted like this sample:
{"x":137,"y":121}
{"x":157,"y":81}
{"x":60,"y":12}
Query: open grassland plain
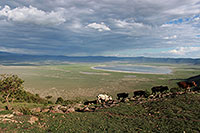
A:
{"x":80,"y":81}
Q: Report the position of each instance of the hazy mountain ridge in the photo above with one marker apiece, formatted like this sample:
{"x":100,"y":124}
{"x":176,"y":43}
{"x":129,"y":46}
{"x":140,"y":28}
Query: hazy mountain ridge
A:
{"x":14,"y":58}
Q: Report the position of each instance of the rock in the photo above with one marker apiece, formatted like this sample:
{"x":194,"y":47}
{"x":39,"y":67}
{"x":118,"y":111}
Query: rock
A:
{"x":17,"y":113}
{"x":125,"y":100}
{"x":37,"y":110}
{"x":115,"y":101}
{"x":151,"y":96}
{"x":63,"y":108}
{"x":9,"y":120}
{"x":58,"y":111}
{"x":132,"y":99}
{"x":141,"y":99}
{"x":33,"y":119}
{"x":110,"y":102}
{"x":7,"y":116}
{"x":86,"y":109}
{"x":90,"y":109}
{"x":97,"y":108}
{"x":2,"y":109}
{"x":78,"y":105}
{"x":105,"y":106}
{"x":56,"y":108}
{"x":150,"y":100}
{"x":70,"y":110}
{"x":79,"y":109}
{"x":52,"y":111}
{"x":112,"y":105}
{"x":45,"y":110}
{"x":168,"y":95}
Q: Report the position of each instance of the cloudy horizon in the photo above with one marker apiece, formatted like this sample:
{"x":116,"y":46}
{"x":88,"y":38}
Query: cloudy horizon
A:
{"x":126,"y":28}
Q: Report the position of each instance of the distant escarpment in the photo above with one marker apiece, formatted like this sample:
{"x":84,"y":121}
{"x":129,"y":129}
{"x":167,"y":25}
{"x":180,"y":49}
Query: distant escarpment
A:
{"x":13,"y":58}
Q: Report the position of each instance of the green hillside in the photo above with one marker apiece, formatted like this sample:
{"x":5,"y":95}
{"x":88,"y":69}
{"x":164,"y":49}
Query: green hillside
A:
{"x":177,"y":114}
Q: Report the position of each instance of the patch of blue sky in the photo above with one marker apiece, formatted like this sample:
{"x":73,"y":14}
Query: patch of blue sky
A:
{"x":177,"y":21}
{"x":182,"y":20}
{"x":197,"y":35}
{"x":196,"y":16}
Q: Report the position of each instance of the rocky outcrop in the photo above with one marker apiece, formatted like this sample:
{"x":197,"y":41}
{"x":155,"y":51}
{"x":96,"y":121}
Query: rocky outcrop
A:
{"x":38,"y":109}
{"x":70,"y":110}
{"x":33,"y":119}
{"x":17,"y":113}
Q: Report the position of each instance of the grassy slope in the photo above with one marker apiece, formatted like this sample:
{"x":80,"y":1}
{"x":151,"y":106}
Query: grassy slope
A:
{"x":167,"y":115}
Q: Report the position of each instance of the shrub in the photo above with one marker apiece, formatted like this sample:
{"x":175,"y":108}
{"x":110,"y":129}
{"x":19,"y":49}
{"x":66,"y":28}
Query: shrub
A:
{"x":49,"y":102}
{"x":25,"y":111}
{"x":9,"y":85}
{"x":12,"y":90}
{"x":59,"y":100}
{"x":147,"y":93}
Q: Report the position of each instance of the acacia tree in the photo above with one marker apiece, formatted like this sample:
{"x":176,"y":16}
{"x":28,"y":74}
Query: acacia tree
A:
{"x":9,"y":85}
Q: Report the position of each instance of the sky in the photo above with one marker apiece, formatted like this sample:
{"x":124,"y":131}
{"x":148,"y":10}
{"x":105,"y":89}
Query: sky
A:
{"x":125,"y":28}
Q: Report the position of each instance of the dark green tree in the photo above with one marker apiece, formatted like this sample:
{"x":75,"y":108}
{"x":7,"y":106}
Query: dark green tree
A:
{"x":9,"y":85}
{"x":59,"y":100}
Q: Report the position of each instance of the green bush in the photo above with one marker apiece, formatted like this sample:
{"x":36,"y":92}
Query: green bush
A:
{"x":147,"y":93}
{"x":59,"y":100}
{"x":9,"y":85}
{"x":49,"y":102}
{"x":25,"y":111}
{"x":12,"y":90}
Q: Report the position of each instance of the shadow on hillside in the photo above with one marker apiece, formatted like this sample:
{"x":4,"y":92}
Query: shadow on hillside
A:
{"x":177,"y":79}
{"x":194,"y":78}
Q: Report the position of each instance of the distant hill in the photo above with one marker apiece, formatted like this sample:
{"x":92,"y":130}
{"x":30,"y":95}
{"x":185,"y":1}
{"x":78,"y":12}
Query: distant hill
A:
{"x":15,"y":58}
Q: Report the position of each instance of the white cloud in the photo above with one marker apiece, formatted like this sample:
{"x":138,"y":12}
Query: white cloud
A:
{"x":75,"y":26}
{"x":99,"y":27}
{"x":16,"y":50}
{"x":167,"y":25}
{"x":32,"y":15}
{"x":126,"y":24}
{"x":170,"y":37}
{"x":185,"y":10}
{"x":197,"y":19}
{"x":183,"y":50}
